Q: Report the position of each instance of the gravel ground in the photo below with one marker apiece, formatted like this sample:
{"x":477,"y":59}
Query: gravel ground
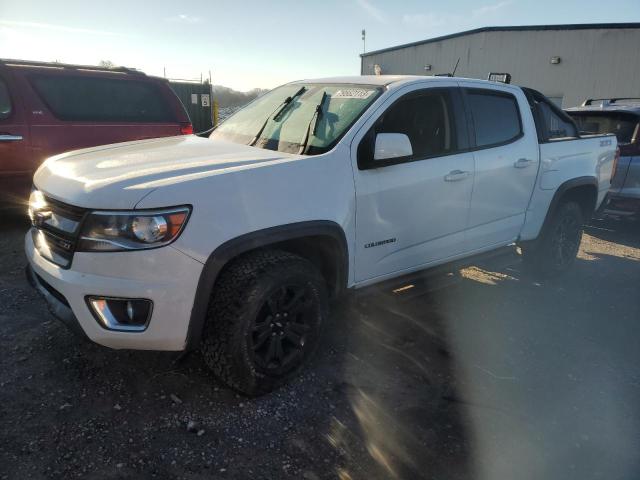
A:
{"x":491,"y":375}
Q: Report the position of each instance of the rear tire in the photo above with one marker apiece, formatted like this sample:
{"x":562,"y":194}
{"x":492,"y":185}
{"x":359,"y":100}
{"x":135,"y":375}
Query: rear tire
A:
{"x":264,"y":320}
{"x":556,"y":250}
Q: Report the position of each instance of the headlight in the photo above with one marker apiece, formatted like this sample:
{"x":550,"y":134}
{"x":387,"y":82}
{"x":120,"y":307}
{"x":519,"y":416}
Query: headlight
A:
{"x":117,"y":231}
{"x":36,"y":202}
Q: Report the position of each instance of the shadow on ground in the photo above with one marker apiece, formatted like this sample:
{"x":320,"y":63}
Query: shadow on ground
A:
{"x":622,"y":232}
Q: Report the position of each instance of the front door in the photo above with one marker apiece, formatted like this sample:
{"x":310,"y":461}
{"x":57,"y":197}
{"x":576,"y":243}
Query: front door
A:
{"x":15,"y":168}
{"x":412,"y":212}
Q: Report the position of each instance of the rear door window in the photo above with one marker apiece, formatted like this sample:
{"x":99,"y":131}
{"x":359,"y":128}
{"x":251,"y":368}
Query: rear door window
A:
{"x":5,"y":101}
{"x":496,"y":117}
{"x":96,"y":99}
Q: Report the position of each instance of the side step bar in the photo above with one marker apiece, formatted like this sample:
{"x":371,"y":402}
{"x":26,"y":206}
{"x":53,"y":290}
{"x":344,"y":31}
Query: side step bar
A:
{"x":435,"y":278}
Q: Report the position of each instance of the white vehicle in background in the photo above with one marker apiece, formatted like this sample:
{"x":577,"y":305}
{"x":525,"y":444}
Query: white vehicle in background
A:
{"x":235,"y":243}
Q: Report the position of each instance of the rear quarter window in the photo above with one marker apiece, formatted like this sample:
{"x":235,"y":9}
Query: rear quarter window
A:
{"x":85,"y":98}
{"x":5,"y":101}
{"x":556,"y":126}
{"x":496,"y":117}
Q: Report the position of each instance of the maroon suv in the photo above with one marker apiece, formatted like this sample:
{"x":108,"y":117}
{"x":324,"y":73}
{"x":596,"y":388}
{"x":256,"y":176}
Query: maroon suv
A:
{"x":50,"y":108}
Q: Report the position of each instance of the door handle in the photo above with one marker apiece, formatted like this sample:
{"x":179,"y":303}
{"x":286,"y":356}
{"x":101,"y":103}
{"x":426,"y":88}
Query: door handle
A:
{"x":456,"y":175}
{"x":523,"y":163}
{"x":4,"y":137}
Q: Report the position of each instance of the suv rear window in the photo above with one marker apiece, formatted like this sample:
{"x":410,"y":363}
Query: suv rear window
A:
{"x":624,"y":125}
{"x":496,"y":117}
{"x":5,"y":101}
{"x":84,"y":98}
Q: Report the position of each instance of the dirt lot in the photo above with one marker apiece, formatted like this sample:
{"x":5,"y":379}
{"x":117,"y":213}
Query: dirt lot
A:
{"x":495,"y":376}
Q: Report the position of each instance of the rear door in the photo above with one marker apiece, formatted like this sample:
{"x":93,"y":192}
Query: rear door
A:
{"x":412,"y":212}
{"x":506,"y":159}
{"x":14,"y":132}
{"x":78,"y":110}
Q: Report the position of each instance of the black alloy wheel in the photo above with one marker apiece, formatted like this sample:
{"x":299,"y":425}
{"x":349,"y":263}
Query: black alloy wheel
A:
{"x":279,"y":333}
{"x":265,"y":320}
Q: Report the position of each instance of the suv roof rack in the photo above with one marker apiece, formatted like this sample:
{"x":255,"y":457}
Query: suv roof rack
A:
{"x":609,"y":101}
{"x":35,"y":63}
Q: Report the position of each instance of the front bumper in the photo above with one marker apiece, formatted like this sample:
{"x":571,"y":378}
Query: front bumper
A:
{"x":58,"y":305}
{"x":622,"y":206}
{"x":164,"y":275}
{"x":624,"y":195}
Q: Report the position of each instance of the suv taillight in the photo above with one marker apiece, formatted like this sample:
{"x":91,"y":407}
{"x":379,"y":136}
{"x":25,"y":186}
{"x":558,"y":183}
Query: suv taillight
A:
{"x":615,"y":164}
{"x":186,"y":129}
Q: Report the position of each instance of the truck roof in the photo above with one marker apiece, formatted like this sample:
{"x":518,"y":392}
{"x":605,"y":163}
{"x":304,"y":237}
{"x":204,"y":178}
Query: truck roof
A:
{"x":392,"y":81}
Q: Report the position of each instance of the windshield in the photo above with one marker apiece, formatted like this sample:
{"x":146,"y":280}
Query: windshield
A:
{"x":279,"y":120}
{"x":622,"y":124}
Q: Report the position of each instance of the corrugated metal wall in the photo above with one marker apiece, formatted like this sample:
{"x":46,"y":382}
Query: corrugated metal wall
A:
{"x":197,"y":99}
{"x":594,"y":63}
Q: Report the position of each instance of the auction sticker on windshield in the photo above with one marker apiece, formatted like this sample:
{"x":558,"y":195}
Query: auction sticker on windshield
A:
{"x":360,"y":93}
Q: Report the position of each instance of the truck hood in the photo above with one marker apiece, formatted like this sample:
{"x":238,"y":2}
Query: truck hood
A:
{"x":118,"y":176}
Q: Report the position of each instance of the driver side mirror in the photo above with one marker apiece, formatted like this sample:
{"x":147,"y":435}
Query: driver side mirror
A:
{"x":392,"y":146}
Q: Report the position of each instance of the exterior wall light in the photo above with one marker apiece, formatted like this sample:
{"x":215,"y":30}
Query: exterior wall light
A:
{"x":427,"y":68}
{"x":555,"y":60}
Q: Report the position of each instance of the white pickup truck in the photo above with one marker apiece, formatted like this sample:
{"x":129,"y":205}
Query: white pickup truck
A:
{"x":235,"y":243}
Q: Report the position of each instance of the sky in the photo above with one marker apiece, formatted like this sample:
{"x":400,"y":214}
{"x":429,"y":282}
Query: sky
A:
{"x":261,"y":44}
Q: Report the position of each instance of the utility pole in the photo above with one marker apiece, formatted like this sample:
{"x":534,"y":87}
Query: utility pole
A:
{"x":364,"y":41}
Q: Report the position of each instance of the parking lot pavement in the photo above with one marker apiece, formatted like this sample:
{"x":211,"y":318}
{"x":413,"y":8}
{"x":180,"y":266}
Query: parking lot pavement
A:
{"x":494,"y":376}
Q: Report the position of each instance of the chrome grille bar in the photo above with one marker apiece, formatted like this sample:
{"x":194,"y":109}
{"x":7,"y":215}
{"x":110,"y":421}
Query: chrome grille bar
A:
{"x":55,"y":231}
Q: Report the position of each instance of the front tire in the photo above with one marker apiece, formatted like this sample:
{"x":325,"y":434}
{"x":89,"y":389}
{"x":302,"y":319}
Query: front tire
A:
{"x":264,"y":320}
{"x":556,"y":250}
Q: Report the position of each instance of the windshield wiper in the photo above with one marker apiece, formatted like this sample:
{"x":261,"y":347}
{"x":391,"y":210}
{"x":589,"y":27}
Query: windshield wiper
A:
{"x":277,"y":112}
{"x":313,"y":123}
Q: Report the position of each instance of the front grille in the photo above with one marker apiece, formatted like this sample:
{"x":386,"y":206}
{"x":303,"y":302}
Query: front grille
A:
{"x":68,"y":211}
{"x":55,"y":231}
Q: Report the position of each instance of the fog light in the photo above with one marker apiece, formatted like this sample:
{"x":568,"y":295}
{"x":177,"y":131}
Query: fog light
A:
{"x":122,"y":314}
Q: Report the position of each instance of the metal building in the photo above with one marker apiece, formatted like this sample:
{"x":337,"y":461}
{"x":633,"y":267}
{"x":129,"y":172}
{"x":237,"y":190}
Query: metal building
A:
{"x":568,"y":63}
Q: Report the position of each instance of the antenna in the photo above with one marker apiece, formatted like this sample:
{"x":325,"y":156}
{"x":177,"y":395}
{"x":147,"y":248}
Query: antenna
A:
{"x":453,"y":74}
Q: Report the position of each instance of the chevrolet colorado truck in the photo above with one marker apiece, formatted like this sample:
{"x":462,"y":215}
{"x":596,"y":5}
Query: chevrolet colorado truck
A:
{"x":235,"y":243}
